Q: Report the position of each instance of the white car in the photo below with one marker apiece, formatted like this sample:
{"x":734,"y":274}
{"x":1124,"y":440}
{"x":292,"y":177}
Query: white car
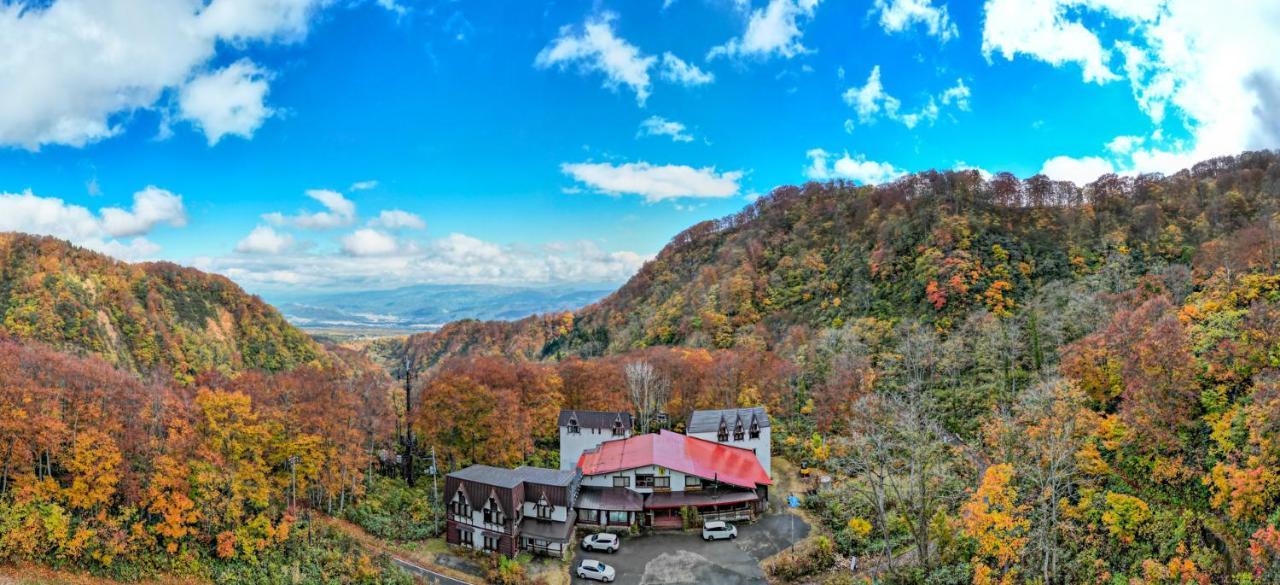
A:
{"x":595,"y":570}
{"x":719,"y":531}
{"x":602,"y":541}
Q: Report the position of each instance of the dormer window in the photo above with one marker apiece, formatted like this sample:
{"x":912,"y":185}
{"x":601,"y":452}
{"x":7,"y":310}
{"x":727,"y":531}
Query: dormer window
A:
{"x":723,"y":434}
{"x":544,"y":508}
{"x":460,"y":506}
{"x":755,"y":428}
{"x":738,"y":433}
{"x":574,"y":429}
{"x":617,"y":427}
{"x":492,"y":512}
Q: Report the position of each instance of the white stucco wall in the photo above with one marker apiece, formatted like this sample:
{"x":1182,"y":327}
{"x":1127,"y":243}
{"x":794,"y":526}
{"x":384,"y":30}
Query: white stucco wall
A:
{"x":606,"y":479}
{"x":558,"y":513}
{"x":573,"y":444}
{"x":762,"y":446}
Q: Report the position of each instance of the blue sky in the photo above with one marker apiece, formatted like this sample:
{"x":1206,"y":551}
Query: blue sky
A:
{"x":529,"y":143}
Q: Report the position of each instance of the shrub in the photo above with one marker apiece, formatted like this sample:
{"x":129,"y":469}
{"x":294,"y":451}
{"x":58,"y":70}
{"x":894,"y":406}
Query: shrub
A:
{"x":809,"y":557}
{"x":392,"y":510}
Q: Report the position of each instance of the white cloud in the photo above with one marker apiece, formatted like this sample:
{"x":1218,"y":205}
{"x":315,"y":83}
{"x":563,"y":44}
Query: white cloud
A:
{"x":231,"y":100}
{"x":152,"y":207}
{"x":363,"y":185}
{"x":75,"y":70}
{"x":1122,"y":145}
{"x":1081,"y":171}
{"x":341,"y":212}
{"x":857,"y":168}
{"x":396,"y":219}
{"x":369,"y":242}
{"x":264,"y":240}
{"x":870,"y":100}
{"x":963,"y":166}
{"x":676,"y":70}
{"x":655,"y":182}
{"x":899,"y":15}
{"x":1042,"y":29}
{"x":1206,"y":66}
{"x":659,"y":126}
{"x":598,"y":49}
{"x":453,"y":259}
{"x":772,"y":30}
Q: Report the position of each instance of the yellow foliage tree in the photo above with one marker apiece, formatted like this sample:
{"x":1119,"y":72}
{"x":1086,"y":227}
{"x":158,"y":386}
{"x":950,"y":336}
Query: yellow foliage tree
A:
{"x":997,"y":523}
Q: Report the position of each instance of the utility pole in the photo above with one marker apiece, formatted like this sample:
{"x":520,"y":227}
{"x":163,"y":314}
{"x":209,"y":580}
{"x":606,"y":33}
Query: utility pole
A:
{"x":435,"y":469}
{"x":408,"y":419}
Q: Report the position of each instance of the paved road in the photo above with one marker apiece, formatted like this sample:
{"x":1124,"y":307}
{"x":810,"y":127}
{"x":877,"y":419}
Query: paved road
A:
{"x":433,"y":577}
{"x":684,"y":559}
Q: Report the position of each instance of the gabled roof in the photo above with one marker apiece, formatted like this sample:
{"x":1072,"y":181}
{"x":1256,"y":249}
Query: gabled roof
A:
{"x":708,"y":421}
{"x":593,"y":419}
{"x":509,"y":478}
{"x":691,"y":455}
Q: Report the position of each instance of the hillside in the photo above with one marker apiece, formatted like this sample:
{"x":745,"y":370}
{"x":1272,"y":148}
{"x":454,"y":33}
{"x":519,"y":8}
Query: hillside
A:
{"x":934,"y":245}
{"x":141,"y":317}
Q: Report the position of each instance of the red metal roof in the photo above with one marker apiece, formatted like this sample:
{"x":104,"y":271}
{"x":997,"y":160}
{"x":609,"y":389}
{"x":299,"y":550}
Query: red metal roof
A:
{"x":700,"y":457}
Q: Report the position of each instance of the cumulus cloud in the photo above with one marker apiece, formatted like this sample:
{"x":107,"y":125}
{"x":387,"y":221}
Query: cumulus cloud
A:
{"x":75,"y":69}
{"x":773,"y":30}
{"x":1208,"y":68}
{"x":870,"y":101}
{"x":231,"y":100}
{"x":396,"y":219}
{"x":676,"y":70}
{"x":655,"y":182}
{"x":453,"y":259}
{"x":369,"y":242}
{"x":152,"y":207}
{"x":859,"y":169}
{"x":340,"y":212}
{"x":596,"y":48}
{"x":899,"y":15}
{"x":659,"y":126}
{"x":264,"y":240}
{"x":1042,"y":28}
{"x":1081,"y":171}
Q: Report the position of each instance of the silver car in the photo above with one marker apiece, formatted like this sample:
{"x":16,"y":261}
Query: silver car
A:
{"x":719,"y":531}
{"x":602,"y":541}
{"x":595,"y":570}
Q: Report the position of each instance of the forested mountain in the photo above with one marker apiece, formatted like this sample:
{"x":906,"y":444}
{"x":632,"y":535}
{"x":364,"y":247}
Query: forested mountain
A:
{"x":141,"y":317}
{"x":1011,"y":381}
{"x":934,"y":245}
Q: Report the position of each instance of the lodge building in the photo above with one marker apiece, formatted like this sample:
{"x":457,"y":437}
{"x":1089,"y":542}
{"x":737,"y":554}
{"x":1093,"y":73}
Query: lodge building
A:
{"x":610,"y":478}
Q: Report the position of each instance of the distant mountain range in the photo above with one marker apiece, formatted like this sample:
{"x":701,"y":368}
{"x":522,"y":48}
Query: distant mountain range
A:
{"x":428,"y":307}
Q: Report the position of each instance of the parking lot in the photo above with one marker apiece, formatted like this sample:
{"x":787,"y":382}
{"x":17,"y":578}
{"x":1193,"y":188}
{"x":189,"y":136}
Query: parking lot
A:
{"x":677,"y":558}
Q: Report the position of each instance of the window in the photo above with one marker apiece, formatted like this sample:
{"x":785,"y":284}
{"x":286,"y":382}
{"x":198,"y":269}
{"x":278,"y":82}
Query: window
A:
{"x":617,"y":427}
{"x":621,"y":481}
{"x":492,"y":512}
{"x":466,"y":538}
{"x":662,"y":483}
{"x":692,"y":483}
{"x":574,"y":429}
{"x":619,"y":518}
{"x":644,"y":481}
{"x":737,"y":432}
{"x":459,"y":506}
{"x":490,"y":542}
{"x":544,"y":508}
{"x":592,"y":516}
{"x":723,"y":434}
{"x":755,"y":429}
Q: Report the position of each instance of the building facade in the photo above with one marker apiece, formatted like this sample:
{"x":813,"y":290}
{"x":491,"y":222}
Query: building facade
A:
{"x":650,"y":479}
{"x":581,"y":430}
{"x":511,"y":510}
{"x":747,"y":428}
